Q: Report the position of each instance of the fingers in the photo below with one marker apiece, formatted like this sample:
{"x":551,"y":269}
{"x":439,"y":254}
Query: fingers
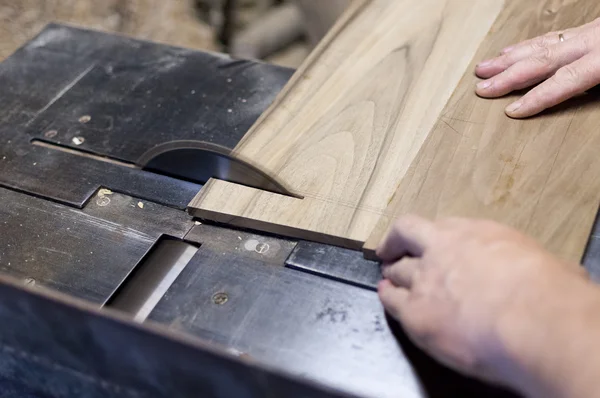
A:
{"x":393,"y":298}
{"x":492,"y":67}
{"x":551,"y":38}
{"x":533,"y":69}
{"x":513,"y":54}
{"x":567,"y":82}
{"x":532,"y":45}
{"x":402,"y":272}
{"x":419,"y":322}
{"x":408,"y":236}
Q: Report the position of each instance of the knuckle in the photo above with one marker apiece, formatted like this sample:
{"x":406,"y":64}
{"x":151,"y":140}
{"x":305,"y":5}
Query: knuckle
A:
{"x":541,"y":43}
{"x":505,"y":60}
{"x":544,"y":56}
{"x":589,"y":40}
{"x":567,"y":75}
{"x":391,"y":272}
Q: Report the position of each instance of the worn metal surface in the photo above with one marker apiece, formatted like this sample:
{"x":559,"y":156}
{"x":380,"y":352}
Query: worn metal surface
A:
{"x":310,"y":326}
{"x":335,"y":263}
{"x":236,"y":292}
{"x":133,"y":95}
{"x":242,"y":244}
{"x":85,"y":253}
{"x":72,"y":350}
{"x":117,"y":97}
{"x":89,"y":91}
{"x":591,"y":257}
{"x":151,"y":278}
{"x":73,"y":179}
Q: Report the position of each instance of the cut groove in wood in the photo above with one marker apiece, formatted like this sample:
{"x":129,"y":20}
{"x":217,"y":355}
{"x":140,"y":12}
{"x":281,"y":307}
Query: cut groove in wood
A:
{"x":348,"y":125}
{"x":538,"y":175}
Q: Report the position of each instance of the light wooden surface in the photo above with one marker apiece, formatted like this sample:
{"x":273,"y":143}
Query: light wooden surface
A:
{"x":349,"y":124}
{"x":540,"y":175}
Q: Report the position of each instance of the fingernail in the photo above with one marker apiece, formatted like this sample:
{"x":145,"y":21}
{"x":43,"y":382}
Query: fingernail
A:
{"x":507,"y":49}
{"x":484,"y":84}
{"x":514,"y":106}
{"x":484,"y":63}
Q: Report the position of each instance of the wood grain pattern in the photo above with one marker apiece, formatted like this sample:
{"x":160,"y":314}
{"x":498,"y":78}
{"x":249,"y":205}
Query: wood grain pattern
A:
{"x":352,"y":119}
{"x":539,"y":175}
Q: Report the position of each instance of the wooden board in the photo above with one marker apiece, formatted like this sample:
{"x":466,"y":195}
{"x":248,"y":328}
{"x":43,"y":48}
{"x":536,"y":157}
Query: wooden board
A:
{"x":352,"y":119}
{"x":540,"y":175}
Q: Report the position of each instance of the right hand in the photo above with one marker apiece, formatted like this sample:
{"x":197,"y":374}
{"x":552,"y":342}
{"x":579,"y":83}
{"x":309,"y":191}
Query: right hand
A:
{"x":476,"y":295}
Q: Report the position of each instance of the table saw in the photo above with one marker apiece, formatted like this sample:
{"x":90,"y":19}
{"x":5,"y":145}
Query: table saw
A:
{"x":109,"y":288}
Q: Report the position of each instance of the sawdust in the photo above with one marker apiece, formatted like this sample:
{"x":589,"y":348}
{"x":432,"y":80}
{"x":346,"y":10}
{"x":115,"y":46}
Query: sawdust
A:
{"x":103,"y":192}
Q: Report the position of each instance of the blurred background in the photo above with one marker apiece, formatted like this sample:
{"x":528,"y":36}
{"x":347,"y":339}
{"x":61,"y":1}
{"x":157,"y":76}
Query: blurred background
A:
{"x":277,"y":31}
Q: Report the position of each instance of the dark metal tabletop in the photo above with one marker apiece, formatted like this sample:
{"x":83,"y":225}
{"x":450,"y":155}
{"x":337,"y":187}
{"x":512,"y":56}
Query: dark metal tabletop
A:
{"x":78,"y":108}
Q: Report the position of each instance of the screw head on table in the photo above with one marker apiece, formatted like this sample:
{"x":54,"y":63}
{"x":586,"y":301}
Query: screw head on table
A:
{"x":220,"y":298}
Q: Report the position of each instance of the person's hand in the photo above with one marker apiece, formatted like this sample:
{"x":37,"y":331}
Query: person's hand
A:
{"x":474,"y":294}
{"x":568,"y":64}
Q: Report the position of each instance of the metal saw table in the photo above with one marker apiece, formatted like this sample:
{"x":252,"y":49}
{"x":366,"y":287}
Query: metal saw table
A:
{"x":246,"y":314}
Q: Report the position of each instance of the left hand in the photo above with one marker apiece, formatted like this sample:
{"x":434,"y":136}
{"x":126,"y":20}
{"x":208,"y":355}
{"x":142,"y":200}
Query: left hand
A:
{"x":565,"y":63}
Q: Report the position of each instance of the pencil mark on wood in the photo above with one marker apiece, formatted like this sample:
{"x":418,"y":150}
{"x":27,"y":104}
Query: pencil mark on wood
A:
{"x":538,"y":175}
{"x":347,"y":128}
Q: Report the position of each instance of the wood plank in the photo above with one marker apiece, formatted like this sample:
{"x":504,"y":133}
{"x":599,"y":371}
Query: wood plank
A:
{"x":348,"y":125}
{"x":538,"y":175}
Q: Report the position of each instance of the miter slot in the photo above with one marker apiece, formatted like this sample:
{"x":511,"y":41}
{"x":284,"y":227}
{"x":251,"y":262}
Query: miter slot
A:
{"x":151,"y":278}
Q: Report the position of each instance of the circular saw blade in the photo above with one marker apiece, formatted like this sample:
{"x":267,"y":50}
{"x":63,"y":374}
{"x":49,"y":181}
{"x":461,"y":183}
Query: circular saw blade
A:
{"x":198,"y":161}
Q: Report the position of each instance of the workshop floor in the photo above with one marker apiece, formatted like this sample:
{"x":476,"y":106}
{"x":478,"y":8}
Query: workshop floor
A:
{"x":177,"y":23}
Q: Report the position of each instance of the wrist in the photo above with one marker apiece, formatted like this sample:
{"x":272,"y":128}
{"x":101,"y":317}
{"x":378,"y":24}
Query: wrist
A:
{"x":540,"y":337}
